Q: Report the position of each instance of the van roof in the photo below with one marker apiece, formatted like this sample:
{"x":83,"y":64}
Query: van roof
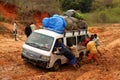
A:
{"x":57,"y":35}
{"x":49,"y":32}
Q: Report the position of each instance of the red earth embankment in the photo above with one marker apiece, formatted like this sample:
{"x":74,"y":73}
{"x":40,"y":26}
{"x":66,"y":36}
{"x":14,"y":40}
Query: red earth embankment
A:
{"x":10,"y":12}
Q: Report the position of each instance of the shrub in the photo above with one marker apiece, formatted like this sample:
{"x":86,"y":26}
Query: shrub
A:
{"x":103,"y":17}
{"x":111,"y":15}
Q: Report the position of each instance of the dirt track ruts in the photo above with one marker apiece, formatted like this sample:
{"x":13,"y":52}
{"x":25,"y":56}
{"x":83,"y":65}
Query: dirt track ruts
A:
{"x":12,"y":66}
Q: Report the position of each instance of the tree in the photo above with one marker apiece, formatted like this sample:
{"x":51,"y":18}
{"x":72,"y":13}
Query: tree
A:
{"x":82,"y":5}
{"x":85,"y":5}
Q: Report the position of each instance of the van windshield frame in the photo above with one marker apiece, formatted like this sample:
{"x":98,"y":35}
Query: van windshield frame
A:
{"x":40,"y":41}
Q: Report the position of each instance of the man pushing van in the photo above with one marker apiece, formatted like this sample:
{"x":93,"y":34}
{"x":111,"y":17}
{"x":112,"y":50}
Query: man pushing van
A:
{"x":67,"y":53}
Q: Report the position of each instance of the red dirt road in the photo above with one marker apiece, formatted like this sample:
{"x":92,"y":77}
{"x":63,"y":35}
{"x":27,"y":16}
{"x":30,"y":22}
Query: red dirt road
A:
{"x":12,"y":66}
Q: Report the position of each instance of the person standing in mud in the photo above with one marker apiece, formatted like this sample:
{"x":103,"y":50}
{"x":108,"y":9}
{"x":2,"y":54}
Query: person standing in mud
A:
{"x":15,"y":27}
{"x":64,"y":50}
{"x":28,"y":30}
{"x":33,"y":26}
{"x":96,"y":39}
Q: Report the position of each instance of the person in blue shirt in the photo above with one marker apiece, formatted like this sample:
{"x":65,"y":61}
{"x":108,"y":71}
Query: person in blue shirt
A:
{"x":64,"y":50}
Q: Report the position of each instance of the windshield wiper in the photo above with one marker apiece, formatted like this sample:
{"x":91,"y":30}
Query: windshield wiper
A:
{"x":30,"y":43}
{"x":33,"y":44}
{"x":36,"y":45}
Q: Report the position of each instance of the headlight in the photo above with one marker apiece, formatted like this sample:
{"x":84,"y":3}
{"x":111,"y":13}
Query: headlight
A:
{"x":24,"y":50}
{"x":45,"y":57}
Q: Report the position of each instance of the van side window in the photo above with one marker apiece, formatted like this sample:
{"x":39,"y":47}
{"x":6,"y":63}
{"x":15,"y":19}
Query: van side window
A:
{"x":80,"y":39}
{"x":71,"y":41}
{"x":56,"y":44}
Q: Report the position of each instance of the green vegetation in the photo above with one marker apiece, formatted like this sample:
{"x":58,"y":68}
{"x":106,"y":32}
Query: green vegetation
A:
{"x":111,"y":15}
{"x":82,"y":5}
{"x":103,"y":16}
{"x":94,"y":11}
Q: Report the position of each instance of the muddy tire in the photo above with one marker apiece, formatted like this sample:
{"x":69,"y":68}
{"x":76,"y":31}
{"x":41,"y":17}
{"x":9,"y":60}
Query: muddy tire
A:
{"x":79,"y":59}
{"x":56,"y":65}
{"x":81,"y":56}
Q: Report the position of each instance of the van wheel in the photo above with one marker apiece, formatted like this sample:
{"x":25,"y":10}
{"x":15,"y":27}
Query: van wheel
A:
{"x":81,"y":56}
{"x":56,"y":65}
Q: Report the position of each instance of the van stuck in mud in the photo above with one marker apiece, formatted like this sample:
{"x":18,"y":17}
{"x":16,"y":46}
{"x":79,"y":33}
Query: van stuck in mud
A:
{"x":39,"y":47}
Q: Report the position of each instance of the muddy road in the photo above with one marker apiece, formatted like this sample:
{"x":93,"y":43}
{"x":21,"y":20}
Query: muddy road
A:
{"x":12,"y":66}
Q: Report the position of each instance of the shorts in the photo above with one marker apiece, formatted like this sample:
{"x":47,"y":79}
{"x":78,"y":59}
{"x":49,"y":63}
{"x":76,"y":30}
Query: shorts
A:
{"x":92,"y":56}
{"x":73,"y":61}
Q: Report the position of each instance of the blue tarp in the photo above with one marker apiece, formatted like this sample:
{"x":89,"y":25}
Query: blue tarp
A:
{"x":55,"y":23}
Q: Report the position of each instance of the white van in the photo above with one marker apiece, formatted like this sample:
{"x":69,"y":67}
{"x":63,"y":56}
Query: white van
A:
{"x":39,"y":47}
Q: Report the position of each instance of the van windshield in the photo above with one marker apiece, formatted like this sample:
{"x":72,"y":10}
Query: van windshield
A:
{"x":40,"y":41}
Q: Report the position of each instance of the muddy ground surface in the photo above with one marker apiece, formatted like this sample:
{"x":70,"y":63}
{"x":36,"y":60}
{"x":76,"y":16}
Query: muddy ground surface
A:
{"x":12,"y":66}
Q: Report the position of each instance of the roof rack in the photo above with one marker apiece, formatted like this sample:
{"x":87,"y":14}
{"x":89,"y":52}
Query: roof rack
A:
{"x":81,"y":31}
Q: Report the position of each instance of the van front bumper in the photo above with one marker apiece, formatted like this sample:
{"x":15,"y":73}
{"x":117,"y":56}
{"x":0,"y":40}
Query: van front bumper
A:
{"x":39,"y":62}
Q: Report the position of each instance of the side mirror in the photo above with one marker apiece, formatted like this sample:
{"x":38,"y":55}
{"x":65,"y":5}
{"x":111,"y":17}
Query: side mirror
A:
{"x":56,"y":52}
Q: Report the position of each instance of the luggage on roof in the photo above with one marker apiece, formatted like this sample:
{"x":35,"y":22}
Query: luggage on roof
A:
{"x":78,"y":15}
{"x":74,"y":23}
{"x":55,"y":23}
{"x":59,"y":23}
{"x":70,"y":12}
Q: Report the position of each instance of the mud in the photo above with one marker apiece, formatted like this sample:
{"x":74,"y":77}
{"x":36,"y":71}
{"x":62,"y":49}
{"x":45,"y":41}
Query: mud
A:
{"x":12,"y":66}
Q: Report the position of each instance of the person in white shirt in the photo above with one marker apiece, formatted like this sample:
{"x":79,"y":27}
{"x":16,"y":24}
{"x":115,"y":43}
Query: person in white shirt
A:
{"x":97,"y":42}
{"x":15,"y":27}
{"x":96,"y":39}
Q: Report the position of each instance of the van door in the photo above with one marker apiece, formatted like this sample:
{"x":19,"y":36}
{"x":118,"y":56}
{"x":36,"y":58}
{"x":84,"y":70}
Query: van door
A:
{"x":71,"y":43}
{"x":55,"y":50}
{"x":80,"y":48}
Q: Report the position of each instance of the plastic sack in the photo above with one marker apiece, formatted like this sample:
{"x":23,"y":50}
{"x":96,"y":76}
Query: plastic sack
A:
{"x":78,"y":15}
{"x":74,"y":23}
{"x":70,"y":12}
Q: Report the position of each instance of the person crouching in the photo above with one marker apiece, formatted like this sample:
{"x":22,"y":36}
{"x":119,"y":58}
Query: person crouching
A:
{"x":92,"y":50}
